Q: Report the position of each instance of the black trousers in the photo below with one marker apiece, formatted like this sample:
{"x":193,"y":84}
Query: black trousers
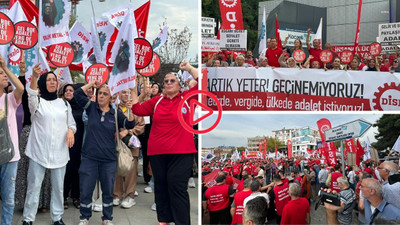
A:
{"x":171,"y":175}
{"x":222,"y":216}
{"x":143,"y":140}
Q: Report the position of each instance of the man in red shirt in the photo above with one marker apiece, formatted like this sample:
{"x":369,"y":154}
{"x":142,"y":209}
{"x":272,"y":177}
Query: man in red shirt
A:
{"x":216,"y":201}
{"x":315,"y":50}
{"x":297,"y":210}
{"x":382,"y":67}
{"x":333,"y":178}
{"x":237,"y":205}
{"x":273,"y":53}
{"x":235,"y":170}
{"x":281,"y":193}
{"x":283,"y":178}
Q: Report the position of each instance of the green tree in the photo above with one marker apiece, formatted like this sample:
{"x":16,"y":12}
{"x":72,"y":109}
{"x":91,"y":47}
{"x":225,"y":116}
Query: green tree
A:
{"x":388,"y":131}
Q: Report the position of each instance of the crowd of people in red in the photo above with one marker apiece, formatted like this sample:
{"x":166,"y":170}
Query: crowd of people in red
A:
{"x":289,"y":186}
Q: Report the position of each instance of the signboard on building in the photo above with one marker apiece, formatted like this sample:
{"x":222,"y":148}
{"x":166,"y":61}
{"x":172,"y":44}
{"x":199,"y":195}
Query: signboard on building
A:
{"x":295,"y":34}
{"x":210,"y":45}
{"x":389,"y":36}
{"x":233,"y":40}
{"x":208,"y":27}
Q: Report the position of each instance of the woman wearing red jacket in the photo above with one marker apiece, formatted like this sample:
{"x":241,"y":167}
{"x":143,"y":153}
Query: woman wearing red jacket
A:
{"x":170,"y":147}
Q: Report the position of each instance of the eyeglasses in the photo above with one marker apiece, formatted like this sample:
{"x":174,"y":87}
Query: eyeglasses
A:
{"x":168,"y":81}
{"x":395,"y":61}
{"x":102,"y":116}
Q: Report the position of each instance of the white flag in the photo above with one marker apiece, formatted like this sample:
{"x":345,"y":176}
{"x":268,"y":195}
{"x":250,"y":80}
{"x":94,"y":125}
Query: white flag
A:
{"x":318,"y":35}
{"x":105,"y":30}
{"x":64,"y":74}
{"x":31,"y":60}
{"x":208,"y":157}
{"x":161,"y":39}
{"x":54,"y":22}
{"x":117,"y":15}
{"x":396,"y":145}
{"x":81,"y":42}
{"x":123,"y":73}
{"x":263,"y":36}
{"x":96,"y":44}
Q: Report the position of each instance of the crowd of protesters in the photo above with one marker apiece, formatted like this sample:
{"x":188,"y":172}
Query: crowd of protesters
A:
{"x":67,"y":146}
{"x":282,"y":56}
{"x":288,"y":188}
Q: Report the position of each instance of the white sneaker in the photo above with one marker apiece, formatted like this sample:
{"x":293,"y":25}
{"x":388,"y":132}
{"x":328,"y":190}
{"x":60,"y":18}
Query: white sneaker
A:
{"x":191,"y":183}
{"x":153,"y":207}
{"x":148,"y":189}
{"x":136,"y":193}
{"x":107,"y":222}
{"x":128,"y":202}
{"x":116,"y":201}
{"x":140,"y":162}
{"x":140,"y":174}
{"x":84,"y":222}
{"x":97,"y":208}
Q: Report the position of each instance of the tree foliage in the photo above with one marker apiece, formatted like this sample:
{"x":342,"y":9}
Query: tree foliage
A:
{"x":210,"y":8}
{"x":388,"y":131}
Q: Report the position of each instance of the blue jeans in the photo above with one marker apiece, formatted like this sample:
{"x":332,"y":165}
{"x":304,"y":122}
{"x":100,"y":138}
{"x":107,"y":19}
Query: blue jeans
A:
{"x":35,"y":179}
{"x":8,"y":172}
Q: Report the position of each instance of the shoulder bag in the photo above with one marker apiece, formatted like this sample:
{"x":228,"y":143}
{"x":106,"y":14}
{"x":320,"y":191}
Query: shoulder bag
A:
{"x":124,"y":154}
{"x":6,"y":145}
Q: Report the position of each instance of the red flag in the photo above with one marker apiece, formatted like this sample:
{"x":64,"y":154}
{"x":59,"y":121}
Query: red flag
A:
{"x":141,"y":18}
{"x":277,"y":36}
{"x":265,"y":147}
{"x":358,"y":27}
{"x":210,"y":179}
{"x":350,"y":146}
{"x":260,"y":145}
{"x":330,"y":154}
{"x":276,"y":149}
{"x":360,"y":152}
{"x":29,"y":8}
{"x":289,"y":149}
{"x":231,"y":15}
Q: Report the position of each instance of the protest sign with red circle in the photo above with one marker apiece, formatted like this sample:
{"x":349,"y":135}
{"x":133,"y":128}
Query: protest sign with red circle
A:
{"x":326,"y":56}
{"x":375,"y":49}
{"x":61,"y":55}
{"x":26,"y":35}
{"x":299,"y":55}
{"x":97,"y":72}
{"x":143,"y":53}
{"x":7,"y":29}
{"x":153,"y":67}
{"x":346,"y":56}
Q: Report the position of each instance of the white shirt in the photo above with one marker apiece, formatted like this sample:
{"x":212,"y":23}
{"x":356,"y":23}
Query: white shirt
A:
{"x":260,"y":173}
{"x":50,"y":122}
{"x":351,"y":176}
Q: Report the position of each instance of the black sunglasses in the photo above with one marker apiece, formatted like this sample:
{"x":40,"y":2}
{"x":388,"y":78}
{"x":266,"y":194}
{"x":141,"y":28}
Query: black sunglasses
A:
{"x":170,"y":80}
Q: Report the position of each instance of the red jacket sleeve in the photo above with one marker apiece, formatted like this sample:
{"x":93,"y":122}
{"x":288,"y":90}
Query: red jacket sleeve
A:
{"x":146,"y":108}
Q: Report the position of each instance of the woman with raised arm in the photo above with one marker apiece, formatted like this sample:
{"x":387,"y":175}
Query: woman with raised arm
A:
{"x":170,"y":147}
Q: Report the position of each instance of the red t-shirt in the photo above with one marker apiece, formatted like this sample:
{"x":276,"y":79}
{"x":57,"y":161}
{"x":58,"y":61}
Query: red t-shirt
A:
{"x":250,"y":62}
{"x":229,"y":180}
{"x":239,"y":199}
{"x":295,"y":212}
{"x":236,"y":169}
{"x":240,"y":187}
{"x":368,"y":170}
{"x":281,"y":197}
{"x":273,"y":56}
{"x":228,"y":170}
{"x":384,"y":68}
{"x":167,"y":135}
{"x":285,"y":180}
{"x":315,"y":53}
{"x":218,"y":197}
{"x":334,"y":177}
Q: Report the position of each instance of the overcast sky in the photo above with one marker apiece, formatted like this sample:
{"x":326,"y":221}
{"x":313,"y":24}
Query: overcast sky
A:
{"x":179,"y":13}
{"x":234,"y":129}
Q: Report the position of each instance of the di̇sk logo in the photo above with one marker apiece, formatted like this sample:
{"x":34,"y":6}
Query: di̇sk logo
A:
{"x":193,"y":104}
{"x":386,"y":98}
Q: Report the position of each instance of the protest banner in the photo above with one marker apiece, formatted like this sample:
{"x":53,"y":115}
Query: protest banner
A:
{"x":97,"y":72}
{"x":61,"y":55}
{"x":208,"y":27}
{"x":251,"y":154}
{"x":123,"y":74}
{"x":54,"y":22}
{"x":26,"y":35}
{"x":100,"y":43}
{"x":231,"y":14}
{"x":351,"y":159}
{"x":64,"y":75}
{"x":81,"y":42}
{"x":210,"y":45}
{"x":160,"y":39}
{"x":143,"y":53}
{"x":350,"y":147}
{"x":233,"y":40}
{"x":389,"y":36}
{"x":326,"y":56}
{"x":346,"y":56}
{"x":153,"y":67}
{"x":362,"y":50}
{"x":303,"y":89}
{"x":7,"y":30}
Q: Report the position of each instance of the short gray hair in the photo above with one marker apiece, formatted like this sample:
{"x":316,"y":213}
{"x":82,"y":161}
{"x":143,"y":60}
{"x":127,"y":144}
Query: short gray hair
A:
{"x":256,"y":210}
{"x":247,"y":182}
{"x":374,"y":184}
{"x":294,"y":189}
{"x":343,"y":180}
{"x":391,"y":167}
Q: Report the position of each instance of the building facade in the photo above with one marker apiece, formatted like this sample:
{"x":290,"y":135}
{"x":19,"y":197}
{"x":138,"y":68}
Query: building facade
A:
{"x":304,"y":138}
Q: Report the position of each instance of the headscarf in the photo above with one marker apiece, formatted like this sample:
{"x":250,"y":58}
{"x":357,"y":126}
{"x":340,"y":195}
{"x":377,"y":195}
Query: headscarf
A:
{"x":180,"y":79}
{"x":44,"y":93}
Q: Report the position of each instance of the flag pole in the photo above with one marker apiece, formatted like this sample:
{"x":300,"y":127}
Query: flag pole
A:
{"x":97,"y":35}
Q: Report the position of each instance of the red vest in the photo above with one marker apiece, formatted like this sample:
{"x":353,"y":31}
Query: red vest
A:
{"x":236,"y":170}
{"x":218,"y":197}
{"x":281,"y":197}
{"x":239,"y":199}
{"x":334,"y":185}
